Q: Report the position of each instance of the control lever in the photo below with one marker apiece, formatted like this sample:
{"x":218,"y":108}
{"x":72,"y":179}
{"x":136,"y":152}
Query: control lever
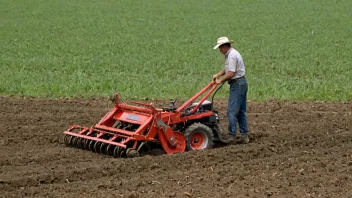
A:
{"x":172,"y":105}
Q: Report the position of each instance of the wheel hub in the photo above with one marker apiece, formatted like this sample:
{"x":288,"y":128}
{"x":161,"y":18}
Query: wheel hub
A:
{"x":198,"y":141}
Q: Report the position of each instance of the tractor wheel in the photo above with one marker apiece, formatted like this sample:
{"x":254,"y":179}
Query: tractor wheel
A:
{"x":198,"y":137}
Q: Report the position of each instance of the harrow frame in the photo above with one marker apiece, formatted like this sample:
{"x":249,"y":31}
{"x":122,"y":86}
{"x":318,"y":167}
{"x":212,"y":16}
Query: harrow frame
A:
{"x":123,"y":131}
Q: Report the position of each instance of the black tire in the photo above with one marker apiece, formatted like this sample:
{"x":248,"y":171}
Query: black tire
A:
{"x":198,"y":131}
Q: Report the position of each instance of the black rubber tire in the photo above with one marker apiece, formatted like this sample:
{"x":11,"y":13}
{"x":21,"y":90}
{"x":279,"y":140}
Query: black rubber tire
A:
{"x":199,"y":128}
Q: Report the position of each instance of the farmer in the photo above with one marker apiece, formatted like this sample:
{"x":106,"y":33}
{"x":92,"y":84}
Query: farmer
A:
{"x":234,"y":74}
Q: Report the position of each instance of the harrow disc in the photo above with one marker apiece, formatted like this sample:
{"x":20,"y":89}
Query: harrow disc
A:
{"x":66,"y":139}
{"x":97,"y":147}
{"x":122,"y":152}
{"x":102,"y":148}
{"x":91,"y":145}
{"x":130,"y":153}
{"x":75,"y":142}
{"x":117,"y":151}
{"x":79,"y":143}
{"x":70,"y":140}
{"x":109,"y":150}
{"x":85,"y":144}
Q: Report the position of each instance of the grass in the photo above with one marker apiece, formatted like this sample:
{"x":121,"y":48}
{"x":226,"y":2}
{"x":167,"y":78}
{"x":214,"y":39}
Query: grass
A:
{"x":293,"y":50}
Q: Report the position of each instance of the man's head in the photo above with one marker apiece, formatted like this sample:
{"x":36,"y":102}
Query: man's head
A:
{"x":224,"y":44}
{"x":224,"y":48}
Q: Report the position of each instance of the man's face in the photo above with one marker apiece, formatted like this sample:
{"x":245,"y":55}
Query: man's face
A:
{"x":223,"y":49}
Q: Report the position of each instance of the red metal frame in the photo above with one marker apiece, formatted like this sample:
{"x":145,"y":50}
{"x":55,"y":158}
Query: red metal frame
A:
{"x":146,"y":116}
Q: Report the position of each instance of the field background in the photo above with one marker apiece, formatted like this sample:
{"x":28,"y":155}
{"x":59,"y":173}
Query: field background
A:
{"x":293,"y":50}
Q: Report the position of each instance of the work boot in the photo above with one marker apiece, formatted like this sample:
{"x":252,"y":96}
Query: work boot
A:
{"x":230,"y":139}
{"x":244,"y":139}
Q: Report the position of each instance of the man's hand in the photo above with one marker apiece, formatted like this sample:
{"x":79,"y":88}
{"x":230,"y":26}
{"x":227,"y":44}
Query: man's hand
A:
{"x":215,"y":77}
{"x":216,"y":80}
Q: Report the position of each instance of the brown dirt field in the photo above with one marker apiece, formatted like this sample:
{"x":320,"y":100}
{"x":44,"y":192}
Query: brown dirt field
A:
{"x":298,"y":149}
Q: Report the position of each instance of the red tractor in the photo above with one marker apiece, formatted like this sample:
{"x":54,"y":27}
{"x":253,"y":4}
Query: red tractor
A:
{"x":126,"y":129}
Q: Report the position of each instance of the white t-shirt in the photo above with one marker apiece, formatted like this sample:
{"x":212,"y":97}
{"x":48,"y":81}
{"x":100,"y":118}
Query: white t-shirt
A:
{"x":234,"y":63}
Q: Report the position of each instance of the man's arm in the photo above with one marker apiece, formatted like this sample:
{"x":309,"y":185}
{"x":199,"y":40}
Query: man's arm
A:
{"x":221,"y":73}
{"x":232,"y":67}
{"x":228,"y":76}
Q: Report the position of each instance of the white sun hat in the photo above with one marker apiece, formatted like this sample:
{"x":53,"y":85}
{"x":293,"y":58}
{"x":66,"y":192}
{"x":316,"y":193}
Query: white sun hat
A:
{"x":222,"y":40}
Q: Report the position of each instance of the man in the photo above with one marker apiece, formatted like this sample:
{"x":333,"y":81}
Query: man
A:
{"x":233,"y":73}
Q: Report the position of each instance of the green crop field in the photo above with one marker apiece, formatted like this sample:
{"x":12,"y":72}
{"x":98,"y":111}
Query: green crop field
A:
{"x":293,"y":50}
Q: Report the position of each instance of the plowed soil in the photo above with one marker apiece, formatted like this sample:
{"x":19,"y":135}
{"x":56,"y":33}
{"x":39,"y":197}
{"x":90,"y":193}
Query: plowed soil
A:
{"x":297,"y":149}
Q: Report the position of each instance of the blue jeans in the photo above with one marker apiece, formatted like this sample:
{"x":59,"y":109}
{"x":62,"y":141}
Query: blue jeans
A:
{"x":237,"y":106}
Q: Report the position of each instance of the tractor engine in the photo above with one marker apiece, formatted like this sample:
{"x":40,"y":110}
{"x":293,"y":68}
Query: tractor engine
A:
{"x":204,"y":107}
